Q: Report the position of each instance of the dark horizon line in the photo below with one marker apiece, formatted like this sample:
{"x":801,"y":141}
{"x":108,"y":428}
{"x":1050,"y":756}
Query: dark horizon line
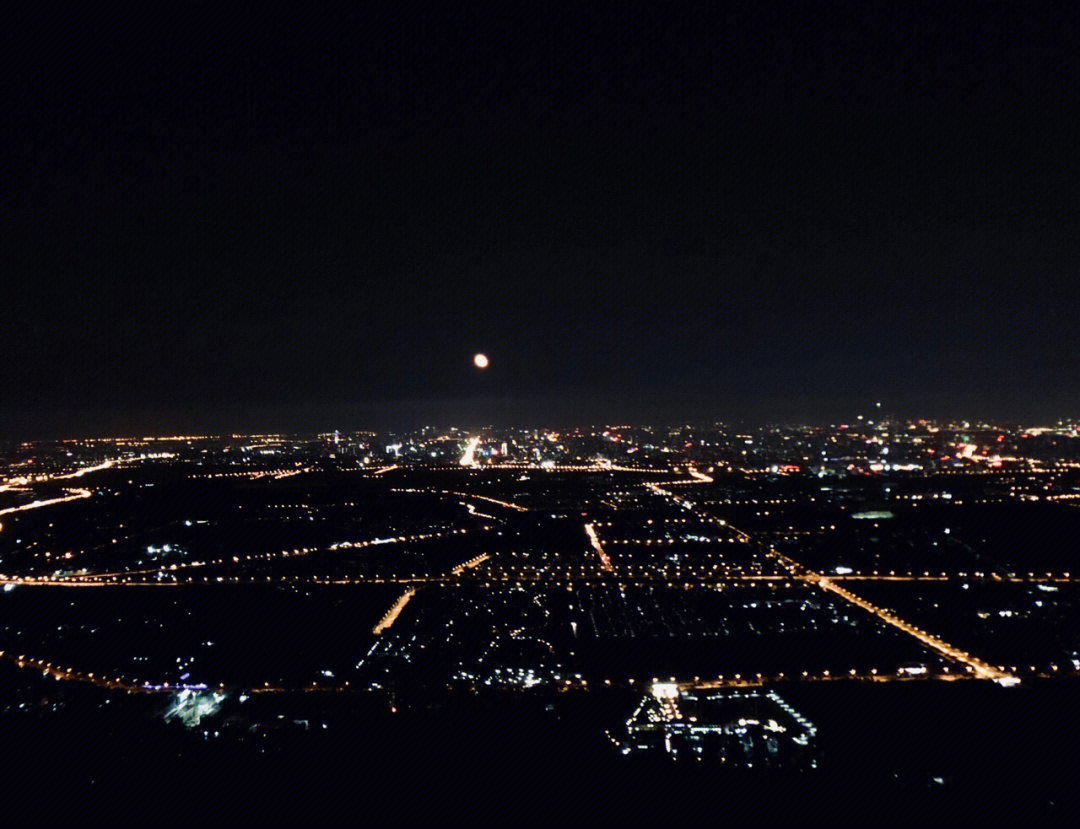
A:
{"x":535,"y":411}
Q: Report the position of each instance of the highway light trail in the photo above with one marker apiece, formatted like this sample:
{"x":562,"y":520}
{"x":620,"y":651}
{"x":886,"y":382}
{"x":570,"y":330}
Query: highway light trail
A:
{"x":32,"y":479}
{"x":975,"y":666}
{"x":110,"y":683}
{"x":88,"y":469}
{"x":496,"y":576}
{"x":257,"y":557}
{"x":468,"y":459}
{"x":133,"y":686}
{"x":496,"y":501}
{"x":75,"y":496}
{"x":594,"y":540}
{"x":394,"y":612}
{"x":468,"y":565}
{"x":492,"y":578}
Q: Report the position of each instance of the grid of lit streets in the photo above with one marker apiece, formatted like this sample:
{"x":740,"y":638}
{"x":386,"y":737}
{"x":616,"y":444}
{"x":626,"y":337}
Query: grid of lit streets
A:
{"x":697,"y":559}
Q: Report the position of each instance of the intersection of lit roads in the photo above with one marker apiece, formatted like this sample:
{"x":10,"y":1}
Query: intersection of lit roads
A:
{"x":679,"y":491}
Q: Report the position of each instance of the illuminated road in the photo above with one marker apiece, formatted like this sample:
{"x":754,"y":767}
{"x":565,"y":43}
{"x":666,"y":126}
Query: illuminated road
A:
{"x":594,"y":540}
{"x":972,"y":667}
{"x":76,"y":495}
{"x":701,"y":477}
{"x":133,"y":686}
{"x":254,"y":558}
{"x":975,"y":666}
{"x":491,"y":577}
{"x":48,"y":476}
{"x":394,"y":612}
{"x":496,"y":501}
{"x":468,"y":459}
{"x":468,"y":565}
{"x":110,"y":683}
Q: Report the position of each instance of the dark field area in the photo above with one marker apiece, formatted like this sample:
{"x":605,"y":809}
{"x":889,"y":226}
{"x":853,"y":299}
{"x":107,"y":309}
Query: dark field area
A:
{"x":959,"y":747}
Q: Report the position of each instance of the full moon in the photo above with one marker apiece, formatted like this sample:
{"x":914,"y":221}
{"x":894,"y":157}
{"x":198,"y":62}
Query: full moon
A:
{"x":480,"y":360}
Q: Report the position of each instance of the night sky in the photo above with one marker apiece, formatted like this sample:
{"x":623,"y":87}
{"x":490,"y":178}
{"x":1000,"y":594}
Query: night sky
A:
{"x":638,"y":211}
